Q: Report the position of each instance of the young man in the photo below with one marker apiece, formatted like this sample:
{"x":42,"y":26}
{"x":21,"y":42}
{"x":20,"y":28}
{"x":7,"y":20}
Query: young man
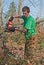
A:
{"x":30,"y":34}
{"x":29,"y":22}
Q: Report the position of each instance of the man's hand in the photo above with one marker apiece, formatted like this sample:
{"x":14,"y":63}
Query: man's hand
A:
{"x":11,"y":18}
{"x":24,"y":30}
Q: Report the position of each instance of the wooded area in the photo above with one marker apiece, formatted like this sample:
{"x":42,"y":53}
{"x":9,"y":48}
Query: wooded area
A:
{"x":12,"y":44}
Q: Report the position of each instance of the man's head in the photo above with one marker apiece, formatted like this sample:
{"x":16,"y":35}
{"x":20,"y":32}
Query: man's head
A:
{"x":26,"y":11}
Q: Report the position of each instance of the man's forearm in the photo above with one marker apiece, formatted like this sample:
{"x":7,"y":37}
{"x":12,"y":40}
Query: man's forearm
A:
{"x":17,"y":16}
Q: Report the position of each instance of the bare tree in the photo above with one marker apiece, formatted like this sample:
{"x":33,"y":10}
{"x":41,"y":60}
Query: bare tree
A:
{"x":0,"y":11}
{"x":12,"y":10}
{"x":20,"y":6}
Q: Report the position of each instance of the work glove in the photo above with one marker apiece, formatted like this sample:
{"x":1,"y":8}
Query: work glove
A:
{"x":11,"y":18}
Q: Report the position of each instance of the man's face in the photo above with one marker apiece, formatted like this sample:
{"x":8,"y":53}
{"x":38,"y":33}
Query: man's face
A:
{"x":26,"y":14}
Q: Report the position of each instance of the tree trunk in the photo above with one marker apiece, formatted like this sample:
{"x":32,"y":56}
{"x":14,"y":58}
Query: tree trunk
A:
{"x":0,"y":12}
{"x":20,"y":8}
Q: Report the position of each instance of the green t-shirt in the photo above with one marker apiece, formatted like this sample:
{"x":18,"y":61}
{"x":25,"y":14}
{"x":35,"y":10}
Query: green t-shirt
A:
{"x":30,"y":25}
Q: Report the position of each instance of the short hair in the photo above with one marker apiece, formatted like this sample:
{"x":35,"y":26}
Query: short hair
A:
{"x":26,"y":8}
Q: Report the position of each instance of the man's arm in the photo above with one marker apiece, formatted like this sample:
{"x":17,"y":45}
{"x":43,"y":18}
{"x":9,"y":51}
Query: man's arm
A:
{"x":17,"y":16}
{"x":12,"y":17}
